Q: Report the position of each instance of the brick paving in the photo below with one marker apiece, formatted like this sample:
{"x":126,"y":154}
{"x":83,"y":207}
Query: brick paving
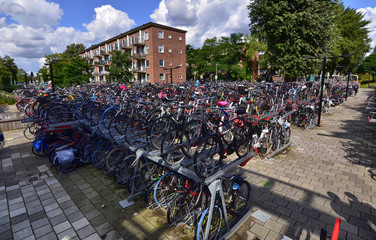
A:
{"x":321,"y":177}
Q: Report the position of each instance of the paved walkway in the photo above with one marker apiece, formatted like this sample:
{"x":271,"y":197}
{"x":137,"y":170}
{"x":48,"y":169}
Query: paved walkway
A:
{"x":303,"y":190}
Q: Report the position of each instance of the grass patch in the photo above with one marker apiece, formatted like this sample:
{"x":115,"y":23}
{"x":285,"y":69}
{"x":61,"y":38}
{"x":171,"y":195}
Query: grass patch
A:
{"x":7,"y":99}
{"x":364,"y":84}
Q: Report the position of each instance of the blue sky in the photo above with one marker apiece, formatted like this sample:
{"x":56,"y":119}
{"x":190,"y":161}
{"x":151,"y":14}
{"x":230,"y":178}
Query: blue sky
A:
{"x":31,"y":29}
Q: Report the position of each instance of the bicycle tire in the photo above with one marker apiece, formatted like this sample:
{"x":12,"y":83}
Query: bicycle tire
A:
{"x":215,"y":224}
{"x":124,"y":170}
{"x":208,"y":156}
{"x":63,"y":168}
{"x":113,"y":158}
{"x":166,"y":188}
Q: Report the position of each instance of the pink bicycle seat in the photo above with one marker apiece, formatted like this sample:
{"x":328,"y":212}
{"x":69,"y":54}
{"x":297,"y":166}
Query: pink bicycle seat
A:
{"x":222,"y":103}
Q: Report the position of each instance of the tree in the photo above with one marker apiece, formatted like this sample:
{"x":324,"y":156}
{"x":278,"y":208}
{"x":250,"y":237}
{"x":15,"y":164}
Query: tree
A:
{"x":369,"y":65}
{"x":351,"y":36}
{"x":20,"y":75}
{"x":292,"y":29}
{"x":8,"y":70}
{"x":73,"y":50}
{"x":119,"y":68}
{"x":75,"y":72}
{"x":251,"y":50}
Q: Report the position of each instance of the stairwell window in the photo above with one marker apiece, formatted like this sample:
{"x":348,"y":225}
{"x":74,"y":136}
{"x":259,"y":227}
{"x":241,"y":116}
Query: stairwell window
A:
{"x":161,"y":49}
{"x":162,"y":76}
{"x":146,"y":49}
{"x":147,"y":64}
{"x":160,"y":34}
{"x":161,"y":62}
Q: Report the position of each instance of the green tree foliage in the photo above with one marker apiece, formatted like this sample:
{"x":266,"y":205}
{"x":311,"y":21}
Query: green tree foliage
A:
{"x":223,"y":54}
{"x":292,"y":29}
{"x":73,"y":50}
{"x":21,"y":75}
{"x":68,"y":68}
{"x":119,"y":68}
{"x":251,"y":49}
{"x":8,"y":70}
{"x":369,"y":65}
{"x":350,"y":36}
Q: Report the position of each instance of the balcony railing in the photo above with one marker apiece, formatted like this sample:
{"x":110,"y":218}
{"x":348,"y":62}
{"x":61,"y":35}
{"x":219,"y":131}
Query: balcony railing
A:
{"x":139,"y":41}
{"x":139,"y":55}
{"x":139,"y":70}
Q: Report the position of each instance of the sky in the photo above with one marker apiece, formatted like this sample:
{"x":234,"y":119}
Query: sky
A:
{"x":31,"y":29}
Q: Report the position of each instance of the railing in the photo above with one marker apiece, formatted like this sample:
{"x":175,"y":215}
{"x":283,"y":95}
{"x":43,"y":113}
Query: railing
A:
{"x":139,"y":55}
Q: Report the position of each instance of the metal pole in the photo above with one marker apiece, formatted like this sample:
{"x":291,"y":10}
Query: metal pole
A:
{"x":321,"y":90}
{"x":347,"y":88}
{"x":52,"y":78}
{"x":171,"y":74}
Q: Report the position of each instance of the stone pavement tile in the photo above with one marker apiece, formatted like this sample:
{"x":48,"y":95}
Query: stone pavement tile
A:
{"x":80,"y":223}
{"x":39,"y":223}
{"x":48,"y":201}
{"x":104,"y":228}
{"x":94,"y":236}
{"x":4,"y":213}
{"x":37,"y":216}
{"x":273,"y":225}
{"x":5,"y":227}
{"x":115,"y":235}
{"x":58,"y":219}
{"x":67,"y":234}
{"x":98,"y":220}
{"x":75,"y":216}
{"x":39,"y":232}
{"x":35,"y":209}
{"x":259,"y":230}
{"x":54,"y":213}
{"x":349,"y":228}
{"x":22,"y":233}
{"x":21,"y":225}
{"x":48,"y":236}
{"x":17,"y":212}
{"x":85,"y":231}
{"x":19,"y":218}
{"x":92,"y":214}
{"x":71,"y":210}
{"x":6,"y":235}
{"x":273,"y":236}
{"x":61,"y":227}
{"x":4,"y":220}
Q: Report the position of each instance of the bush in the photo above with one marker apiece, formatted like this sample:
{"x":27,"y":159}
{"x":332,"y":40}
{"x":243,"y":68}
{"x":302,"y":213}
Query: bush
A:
{"x":7,"y":100}
{"x":9,"y":88}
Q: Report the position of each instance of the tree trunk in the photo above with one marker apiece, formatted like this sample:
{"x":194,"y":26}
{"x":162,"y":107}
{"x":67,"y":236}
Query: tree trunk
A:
{"x":254,"y":64}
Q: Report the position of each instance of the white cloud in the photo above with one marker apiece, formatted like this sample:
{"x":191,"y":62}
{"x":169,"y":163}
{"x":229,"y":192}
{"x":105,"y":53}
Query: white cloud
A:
{"x":370,"y":14}
{"x":109,"y":22}
{"x":204,"y":18}
{"x":33,"y":13}
{"x":29,"y":37}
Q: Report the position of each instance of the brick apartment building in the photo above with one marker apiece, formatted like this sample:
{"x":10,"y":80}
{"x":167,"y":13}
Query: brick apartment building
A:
{"x":155,"y":49}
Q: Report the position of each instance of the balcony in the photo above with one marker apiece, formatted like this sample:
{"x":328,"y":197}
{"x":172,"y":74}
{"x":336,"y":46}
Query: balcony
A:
{"x":139,"y":56}
{"x":139,"y":42}
{"x":126,"y":46}
{"x":104,"y":73}
{"x":139,"y":70}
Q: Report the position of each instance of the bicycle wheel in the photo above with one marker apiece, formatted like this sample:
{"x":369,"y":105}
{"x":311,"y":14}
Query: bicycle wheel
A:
{"x":62,"y":168}
{"x":192,"y":133}
{"x":208,"y":156}
{"x":239,"y":202}
{"x":171,"y":143}
{"x":242,"y":137}
{"x":215,"y":224}
{"x":113,"y":158}
{"x":286,"y":135}
{"x":166,"y":188}
{"x":157,"y":130}
{"x":135,"y":132}
{"x":143,"y":177}
{"x":98,"y":158}
{"x":175,"y":213}
{"x":124,"y":170}
{"x":29,"y":131}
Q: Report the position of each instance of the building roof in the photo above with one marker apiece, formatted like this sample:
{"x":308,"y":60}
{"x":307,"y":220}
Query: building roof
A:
{"x":132,"y":31}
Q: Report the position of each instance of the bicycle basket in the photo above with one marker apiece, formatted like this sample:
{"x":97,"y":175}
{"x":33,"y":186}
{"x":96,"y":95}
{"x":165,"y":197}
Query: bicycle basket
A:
{"x":65,"y":156}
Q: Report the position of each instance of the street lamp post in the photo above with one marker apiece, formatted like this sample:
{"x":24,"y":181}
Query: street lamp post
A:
{"x":51,"y":73}
{"x":216,"y":72}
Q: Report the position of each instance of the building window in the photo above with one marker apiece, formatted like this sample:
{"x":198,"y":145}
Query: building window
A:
{"x":180,"y":51}
{"x":169,"y":36}
{"x":161,"y":49}
{"x":169,"y":50}
{"x":180,"y":64}
{"x":147,"y":64}
{"x":162,"y":76}
{"x":170,"y":64}
{"x":180,"y":77}
{"x":146,"y":35}
{"x":146,"y":49}
{"x":109,"y":47}
{"x":160,"y":34}
{"x":148,"y":77}
{"x":116,"y":46}
{"x":180,"y":38}
{"x":161,"y":62}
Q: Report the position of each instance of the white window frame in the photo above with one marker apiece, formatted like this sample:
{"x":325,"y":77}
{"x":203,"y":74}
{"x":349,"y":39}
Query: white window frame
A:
{"x":160,"y":34}
{"x":169,"y":50}
{"x":146,"y":35}
{"x":147,"y":77}
{"x":180,"y":38}
{"x":163,"y":77}
{"x":170,"y":64}
{"x":169,"y":36}
{"x":161,"y":49}
{"x":146,"y":49}
{"x":159,"y":63}
{"x":147,"y":64}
